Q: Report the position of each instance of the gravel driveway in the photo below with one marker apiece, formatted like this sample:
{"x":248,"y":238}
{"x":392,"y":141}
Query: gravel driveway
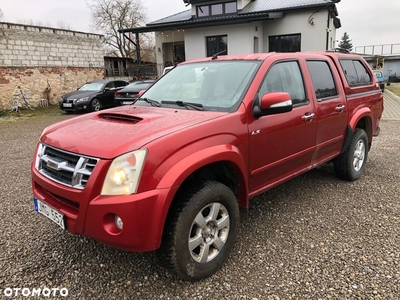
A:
{"x":315,"y":237}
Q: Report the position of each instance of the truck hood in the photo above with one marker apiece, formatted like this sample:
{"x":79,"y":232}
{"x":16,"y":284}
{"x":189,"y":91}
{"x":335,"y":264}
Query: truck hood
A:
{"x":110,"y":133}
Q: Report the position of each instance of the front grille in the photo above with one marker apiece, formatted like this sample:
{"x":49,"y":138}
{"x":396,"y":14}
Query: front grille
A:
{"x":64,"y":167}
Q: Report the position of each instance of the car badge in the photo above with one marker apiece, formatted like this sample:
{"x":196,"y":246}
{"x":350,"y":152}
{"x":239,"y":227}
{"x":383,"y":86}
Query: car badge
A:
{"x":55,"y":165}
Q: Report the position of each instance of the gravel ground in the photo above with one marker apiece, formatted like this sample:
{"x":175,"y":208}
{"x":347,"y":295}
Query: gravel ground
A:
{"x":315,"y":237}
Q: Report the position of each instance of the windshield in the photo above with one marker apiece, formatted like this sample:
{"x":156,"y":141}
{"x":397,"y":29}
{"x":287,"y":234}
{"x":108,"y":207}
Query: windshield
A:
{"x":215,"y":85}
{"x":92,"y":86}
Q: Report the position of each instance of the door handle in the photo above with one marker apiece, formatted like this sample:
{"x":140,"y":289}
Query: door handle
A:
{"x":308,"y":117}
{"x":340,"y":108}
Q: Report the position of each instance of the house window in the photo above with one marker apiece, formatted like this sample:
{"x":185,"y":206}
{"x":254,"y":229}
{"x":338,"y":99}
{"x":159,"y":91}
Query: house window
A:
{"x":216,"y":9}
{"x":285,"y":43}
{"x":217,"y":44}
{"x":203,"y":11}
{"x":230,"y":7}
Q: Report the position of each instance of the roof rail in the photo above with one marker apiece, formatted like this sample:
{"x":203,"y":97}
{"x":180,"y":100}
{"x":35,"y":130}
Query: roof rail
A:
{"x":340,"y":50}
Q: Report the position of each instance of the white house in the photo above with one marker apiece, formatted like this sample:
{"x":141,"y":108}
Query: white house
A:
{"x":243,"y":26}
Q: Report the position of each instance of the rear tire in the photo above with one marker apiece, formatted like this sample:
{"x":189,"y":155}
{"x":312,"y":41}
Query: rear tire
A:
{"x":351,"y":164}
{"x":200,"y":230}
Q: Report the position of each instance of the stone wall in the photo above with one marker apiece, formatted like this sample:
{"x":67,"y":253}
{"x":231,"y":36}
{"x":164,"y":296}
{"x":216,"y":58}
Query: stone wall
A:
{"x":37,"y":58}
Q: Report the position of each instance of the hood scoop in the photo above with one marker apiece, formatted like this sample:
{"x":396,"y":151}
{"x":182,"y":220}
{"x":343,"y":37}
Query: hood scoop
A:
{"x":119,"y":118}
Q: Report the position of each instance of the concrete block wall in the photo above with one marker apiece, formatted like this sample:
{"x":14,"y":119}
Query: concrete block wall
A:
{"x":36,"y":57}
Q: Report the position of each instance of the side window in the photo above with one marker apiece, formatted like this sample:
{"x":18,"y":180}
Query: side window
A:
{"x":110,"y":85}
{"x":356,"y":73}
{"x":120,"y":84}
{"x":285,"y":77}
{"x":350,"y":72}
{"x":322,"y":78}
{"x":364,"y":78}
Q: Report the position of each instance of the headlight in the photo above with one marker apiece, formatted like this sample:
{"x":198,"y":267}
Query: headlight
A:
{"x":82,"y":99}
{"x":124,"y":173}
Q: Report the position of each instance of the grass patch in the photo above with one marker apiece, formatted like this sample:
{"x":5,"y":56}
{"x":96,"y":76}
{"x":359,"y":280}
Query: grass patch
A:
{"x":26,"y":113}
{"x":394,"y":88}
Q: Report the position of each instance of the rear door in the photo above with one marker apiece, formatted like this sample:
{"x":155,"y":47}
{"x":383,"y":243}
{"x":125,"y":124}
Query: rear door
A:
{"x":282,"y":145}
{"x":330,"y":110}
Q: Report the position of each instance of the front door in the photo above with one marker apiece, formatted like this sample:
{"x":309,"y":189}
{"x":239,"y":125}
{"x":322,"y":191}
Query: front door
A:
{"x":282,"y":145}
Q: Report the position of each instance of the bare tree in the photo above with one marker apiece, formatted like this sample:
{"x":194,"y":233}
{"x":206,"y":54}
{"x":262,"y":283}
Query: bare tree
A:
{"x":1,"y":14}
{"x":62,"y":25}
{"x":110,"y":15}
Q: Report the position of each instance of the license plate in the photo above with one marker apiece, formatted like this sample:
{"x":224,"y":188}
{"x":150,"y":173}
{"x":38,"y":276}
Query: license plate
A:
{"x":49,"y":212}
{"x":126,"y":102}
{"x":67,"y":104}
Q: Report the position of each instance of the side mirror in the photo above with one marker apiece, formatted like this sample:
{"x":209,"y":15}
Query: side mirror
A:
{"x":273,"y":103}
{"x":106,"y":89}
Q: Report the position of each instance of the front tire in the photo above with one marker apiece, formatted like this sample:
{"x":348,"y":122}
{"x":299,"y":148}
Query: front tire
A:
{"x":95,"y":105}
{"x":351,"y":164}
{"x":200,"y":230}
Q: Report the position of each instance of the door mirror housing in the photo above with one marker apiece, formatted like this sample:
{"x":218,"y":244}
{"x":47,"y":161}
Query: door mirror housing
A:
{"x":273,"y":103}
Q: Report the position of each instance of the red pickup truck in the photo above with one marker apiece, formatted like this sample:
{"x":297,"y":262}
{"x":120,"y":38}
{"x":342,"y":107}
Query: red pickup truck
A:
{"x":170,"y":172}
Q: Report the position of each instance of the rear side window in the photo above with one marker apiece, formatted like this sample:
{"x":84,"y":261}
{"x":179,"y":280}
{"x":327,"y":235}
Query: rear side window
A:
{"x":120,"y":83}
{"x":355,"y":71}
{"x":322,"y":78}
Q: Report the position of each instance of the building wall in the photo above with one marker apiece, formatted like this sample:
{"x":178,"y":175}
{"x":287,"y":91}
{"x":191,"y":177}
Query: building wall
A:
{"x":313,"y":37}
{"x":313,"y":27}
{"x":241,"y":36}
{"x":37,"y":58}
{"x":240,"y":39}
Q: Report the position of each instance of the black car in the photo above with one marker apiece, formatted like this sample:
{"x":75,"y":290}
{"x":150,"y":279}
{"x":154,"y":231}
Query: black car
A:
{"x":92,"y":96}
{"x":128,"y":94}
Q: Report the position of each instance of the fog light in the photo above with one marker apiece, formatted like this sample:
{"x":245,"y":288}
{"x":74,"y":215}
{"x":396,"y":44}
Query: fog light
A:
{"x":118,"y":222}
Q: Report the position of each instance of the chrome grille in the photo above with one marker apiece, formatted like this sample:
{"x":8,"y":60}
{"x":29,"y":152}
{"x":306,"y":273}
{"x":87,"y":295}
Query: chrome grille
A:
{"x":64,"y":167}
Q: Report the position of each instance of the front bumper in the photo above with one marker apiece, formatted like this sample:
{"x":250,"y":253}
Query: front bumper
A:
{"x":143,"y":214}
{"x":79,"y":106}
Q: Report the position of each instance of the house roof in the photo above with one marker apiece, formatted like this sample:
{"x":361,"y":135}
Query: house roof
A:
{"x":254,"y":11}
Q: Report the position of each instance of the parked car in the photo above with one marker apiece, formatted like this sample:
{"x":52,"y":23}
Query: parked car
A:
{"x":394,"y":78}
{"x":129,"y":94}
{"x":92,"y":96}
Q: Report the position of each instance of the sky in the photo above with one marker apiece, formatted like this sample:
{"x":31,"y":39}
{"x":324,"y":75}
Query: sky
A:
{"x":365,"y":21}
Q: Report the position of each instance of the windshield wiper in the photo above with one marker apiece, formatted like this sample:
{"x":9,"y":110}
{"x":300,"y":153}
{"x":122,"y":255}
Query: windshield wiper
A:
{"x":152,"y":102}
{"x":197,"y":106}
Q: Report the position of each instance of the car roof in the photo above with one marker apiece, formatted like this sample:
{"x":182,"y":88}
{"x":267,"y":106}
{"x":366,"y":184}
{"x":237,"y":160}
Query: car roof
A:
{"x":143,"y":81}
{"x":278,"y":55}
{"x":105,"y":81}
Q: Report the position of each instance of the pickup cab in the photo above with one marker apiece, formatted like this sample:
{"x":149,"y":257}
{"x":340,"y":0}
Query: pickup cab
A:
{"x":171,"y":172}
